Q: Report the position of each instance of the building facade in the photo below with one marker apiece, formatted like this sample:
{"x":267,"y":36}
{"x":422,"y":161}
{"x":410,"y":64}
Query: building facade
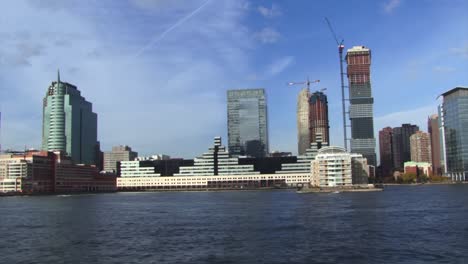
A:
{"x":247,"y":122}
{"x":386,"y":154}
{"x":455,"y":124}
{"x":433,"y":129}
{"x":420,"y":145}
{"x":51,"y":172}
{"x":318,"y":116}
{"x":418,"y":168}
{"x":303,"y":121}
{"x":361,"y":101}
{"x":303,"y":161}
{"x":69,"y":124}
{"x":334,"y":167}
{"x":118,"y":153}
{"x":401,"y":144}
{"x":217,"y":161}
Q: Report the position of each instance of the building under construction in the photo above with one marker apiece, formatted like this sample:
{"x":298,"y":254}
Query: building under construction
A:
{"x":361,"y":102}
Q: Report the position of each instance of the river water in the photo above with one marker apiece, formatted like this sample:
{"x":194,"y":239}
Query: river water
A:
{"x":403,"y":224}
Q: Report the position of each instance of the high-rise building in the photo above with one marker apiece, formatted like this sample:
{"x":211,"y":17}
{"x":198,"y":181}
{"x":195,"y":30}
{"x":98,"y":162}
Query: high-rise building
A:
{"x":455,"y":124}
{"x":361,"y":101}
{"x":303,"y":121}
{"x":386,"y":154}
{"x":319,"y":116}
{"x":433,"y":129}
{"x":420,"y":145}
{"x":247,"y":122}
{"x":69,"y":124}
{"x":401,"y":144}
{"x":118,"y":153}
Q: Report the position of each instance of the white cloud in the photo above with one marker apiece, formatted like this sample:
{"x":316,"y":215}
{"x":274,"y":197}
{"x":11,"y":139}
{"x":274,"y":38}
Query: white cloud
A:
{"x":279,"y":65}
{"x":268,"y":35}
{"x":391,"y":5}
{"x":443,"y":69}
{"x":417,"y":116}
{"x":274,"y":11}
{"x":461,"y":51}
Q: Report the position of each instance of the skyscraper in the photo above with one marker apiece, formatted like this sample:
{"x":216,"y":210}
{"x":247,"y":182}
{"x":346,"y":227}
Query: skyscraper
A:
{"x":361,"y":101}
{"x":247,"y":122}
{"x":455,"y":124}
{"x":433,"y":129}
{"x":401,"y":144}
{"x":386,"y":154}
{"x":303,"y":121}
{"x":420,"y":145}
{"x":69,"y":124}
{"x":318,"y":117}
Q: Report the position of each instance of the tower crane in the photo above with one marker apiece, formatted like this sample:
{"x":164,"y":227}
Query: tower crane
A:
{"x":340,"y":52}
{"x":307,"y":83}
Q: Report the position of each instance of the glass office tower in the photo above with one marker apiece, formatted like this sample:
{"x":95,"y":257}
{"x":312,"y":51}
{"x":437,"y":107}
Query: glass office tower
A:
{"x":455,"y":115}
{"x":247,"y":122}
{"x":69,"y":124}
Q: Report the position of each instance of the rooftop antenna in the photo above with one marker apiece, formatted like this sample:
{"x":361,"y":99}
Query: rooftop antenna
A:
{"x":343,"y":99}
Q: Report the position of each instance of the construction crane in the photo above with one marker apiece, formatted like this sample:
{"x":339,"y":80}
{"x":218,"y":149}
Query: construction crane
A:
{"x":340,"y":52}
{"x":307,"y":83}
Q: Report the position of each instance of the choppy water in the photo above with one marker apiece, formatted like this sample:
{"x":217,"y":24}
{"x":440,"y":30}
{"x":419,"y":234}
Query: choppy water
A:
{"x":403,"y":224}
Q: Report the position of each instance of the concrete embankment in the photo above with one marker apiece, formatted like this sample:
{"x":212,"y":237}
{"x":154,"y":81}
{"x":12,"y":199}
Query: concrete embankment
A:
{"x":339,"y":189}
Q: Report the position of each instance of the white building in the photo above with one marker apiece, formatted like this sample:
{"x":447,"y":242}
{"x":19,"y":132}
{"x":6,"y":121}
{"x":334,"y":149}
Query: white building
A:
{"x":334,"y":167}
{"x":133,"y":169}
{"x":303,"y":161}
{"x":216,"y":161}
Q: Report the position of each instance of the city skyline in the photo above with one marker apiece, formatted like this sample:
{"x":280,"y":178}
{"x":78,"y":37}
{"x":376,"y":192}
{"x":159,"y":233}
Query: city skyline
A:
{"x":142,"y":104}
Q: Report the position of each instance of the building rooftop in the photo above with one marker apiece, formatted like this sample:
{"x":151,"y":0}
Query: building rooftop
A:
{"x":454,"y":90}
{"x":358,"y":48}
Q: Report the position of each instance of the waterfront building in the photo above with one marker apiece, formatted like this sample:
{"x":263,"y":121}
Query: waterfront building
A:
{"x":433,"y":129}
{"x":303,"y":161}
{"x":151,"y":167}
{"x":247,"y":122}
{"x":386,"y":154}
{"x":334,"y":166}
{"x":455,"y":132}
{"x":69,"y":123}
{"x":248,"y":181}
{"x":361,"y":102}
{"x":401,"y":147}
{"x":303,"y":121}
{"x":50,"y":172}
{"x":217,"y":161}
{"x":268,"y":165}
{"x":118,"y":153}
{"x":418,"y":168}
{"x":318,"y":117}
{"x":420,"y":144}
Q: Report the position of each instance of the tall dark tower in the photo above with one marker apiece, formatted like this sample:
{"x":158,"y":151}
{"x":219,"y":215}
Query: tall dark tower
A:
{"x":386,"y":154}
{"x":318,"y":116}
{"x":361,"y":102}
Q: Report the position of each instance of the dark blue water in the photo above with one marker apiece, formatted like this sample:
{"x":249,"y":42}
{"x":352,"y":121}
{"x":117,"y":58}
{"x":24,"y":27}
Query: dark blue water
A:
{"x":403,"y":224}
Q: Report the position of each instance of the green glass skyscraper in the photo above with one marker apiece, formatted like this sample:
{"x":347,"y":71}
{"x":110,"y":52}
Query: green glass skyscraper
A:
{"x":69,"y":124}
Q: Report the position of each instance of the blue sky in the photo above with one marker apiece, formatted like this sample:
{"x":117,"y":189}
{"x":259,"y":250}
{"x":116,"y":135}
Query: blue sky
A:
{"x":157,"y":71}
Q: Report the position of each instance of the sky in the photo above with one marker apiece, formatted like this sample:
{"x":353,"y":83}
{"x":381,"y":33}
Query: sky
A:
{"x":157,"y":71}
